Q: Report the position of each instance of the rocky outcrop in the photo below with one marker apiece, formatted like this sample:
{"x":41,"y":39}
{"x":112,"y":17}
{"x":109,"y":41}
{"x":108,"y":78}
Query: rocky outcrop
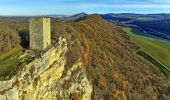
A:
{"x":44,"y":78}
{"x":75,"y":81}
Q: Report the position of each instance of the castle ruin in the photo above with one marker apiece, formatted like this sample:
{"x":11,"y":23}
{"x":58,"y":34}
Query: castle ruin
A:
{"x":40,"y":33}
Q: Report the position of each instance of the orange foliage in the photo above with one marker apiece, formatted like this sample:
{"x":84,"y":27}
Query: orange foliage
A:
{"x":75,"y":96}
{"x":102,"y":83}
{"x":85,"y":53}
{"x":124,"y":85}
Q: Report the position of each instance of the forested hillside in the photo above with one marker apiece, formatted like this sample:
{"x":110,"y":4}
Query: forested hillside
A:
{"x":113,"y":66}
{"x":11,"y":34}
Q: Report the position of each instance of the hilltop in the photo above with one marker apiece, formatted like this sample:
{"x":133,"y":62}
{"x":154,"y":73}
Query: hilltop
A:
{"x":112,"y":64}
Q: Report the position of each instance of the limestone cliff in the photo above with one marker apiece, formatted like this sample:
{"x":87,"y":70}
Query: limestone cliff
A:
{"x":44,"y":78}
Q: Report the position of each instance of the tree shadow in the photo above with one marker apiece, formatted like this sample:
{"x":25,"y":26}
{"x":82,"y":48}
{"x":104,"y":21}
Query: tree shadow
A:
{"x":163,"y":68}
{"x":24,"y":36}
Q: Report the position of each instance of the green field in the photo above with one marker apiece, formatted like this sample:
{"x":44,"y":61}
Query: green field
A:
{"x":157,"y":48}
{"x":145,"y":19}
{"x":10,"y":62}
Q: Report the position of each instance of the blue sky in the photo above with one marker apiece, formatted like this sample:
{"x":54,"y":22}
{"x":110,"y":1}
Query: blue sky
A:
{"x":69,"y":7}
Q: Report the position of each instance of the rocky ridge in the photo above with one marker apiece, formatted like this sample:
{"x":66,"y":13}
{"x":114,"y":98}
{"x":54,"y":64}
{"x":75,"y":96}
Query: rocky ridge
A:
{"x":113,"y":66}
{"x":44,"y":78}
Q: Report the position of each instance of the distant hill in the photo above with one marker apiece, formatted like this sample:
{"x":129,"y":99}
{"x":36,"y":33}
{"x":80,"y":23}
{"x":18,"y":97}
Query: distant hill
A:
{"x":74,"y":17}
{"x":138,"y":16}
{"x":156,"y":25}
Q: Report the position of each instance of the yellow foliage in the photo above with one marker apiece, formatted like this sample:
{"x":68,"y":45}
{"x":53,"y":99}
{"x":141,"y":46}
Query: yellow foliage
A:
{"x":119,"y":95}
{"x":124,"y":85}
{"x":115,"y":75}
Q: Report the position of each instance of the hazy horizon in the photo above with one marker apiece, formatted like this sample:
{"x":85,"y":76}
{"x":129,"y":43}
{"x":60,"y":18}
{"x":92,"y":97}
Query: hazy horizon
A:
{"x":70,"y":7}
{"x":75,"y":14}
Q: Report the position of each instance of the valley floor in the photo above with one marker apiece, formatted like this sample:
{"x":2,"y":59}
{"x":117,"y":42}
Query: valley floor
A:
{"x":157,"y":48}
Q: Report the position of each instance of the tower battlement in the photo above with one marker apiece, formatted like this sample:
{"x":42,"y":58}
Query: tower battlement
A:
{"x":40,"y":33}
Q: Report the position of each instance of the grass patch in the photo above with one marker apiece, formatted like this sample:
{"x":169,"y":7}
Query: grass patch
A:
{"x":157,"y":48}
{"x":9,"y":63}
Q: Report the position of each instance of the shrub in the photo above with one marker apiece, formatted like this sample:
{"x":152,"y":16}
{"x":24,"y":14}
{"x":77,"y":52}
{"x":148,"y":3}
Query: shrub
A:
{"x":85,"y":53}
{"x":75,"y":96}
{"x":102,"y":83}
{"x":119,"y":95}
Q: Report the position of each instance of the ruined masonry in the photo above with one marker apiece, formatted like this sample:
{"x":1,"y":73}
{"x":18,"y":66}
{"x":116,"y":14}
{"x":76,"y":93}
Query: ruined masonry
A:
{"x":40,"y":33}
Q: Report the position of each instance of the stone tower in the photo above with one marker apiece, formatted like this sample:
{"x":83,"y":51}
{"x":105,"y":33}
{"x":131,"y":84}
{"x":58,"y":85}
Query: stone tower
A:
{"x":40,"y":33}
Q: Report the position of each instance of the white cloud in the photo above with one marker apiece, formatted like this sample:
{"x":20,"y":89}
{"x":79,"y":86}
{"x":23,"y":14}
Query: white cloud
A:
{"x":160,"y":1}
{"x":123,"y":6}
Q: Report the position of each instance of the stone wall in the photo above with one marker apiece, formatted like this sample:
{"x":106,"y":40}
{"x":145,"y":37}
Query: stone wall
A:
{"x":47,"y":32}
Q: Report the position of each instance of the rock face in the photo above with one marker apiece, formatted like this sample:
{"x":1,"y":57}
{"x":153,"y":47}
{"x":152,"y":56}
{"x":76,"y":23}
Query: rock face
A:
{"x":44,"y":78}
{"x":75,"y":81}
